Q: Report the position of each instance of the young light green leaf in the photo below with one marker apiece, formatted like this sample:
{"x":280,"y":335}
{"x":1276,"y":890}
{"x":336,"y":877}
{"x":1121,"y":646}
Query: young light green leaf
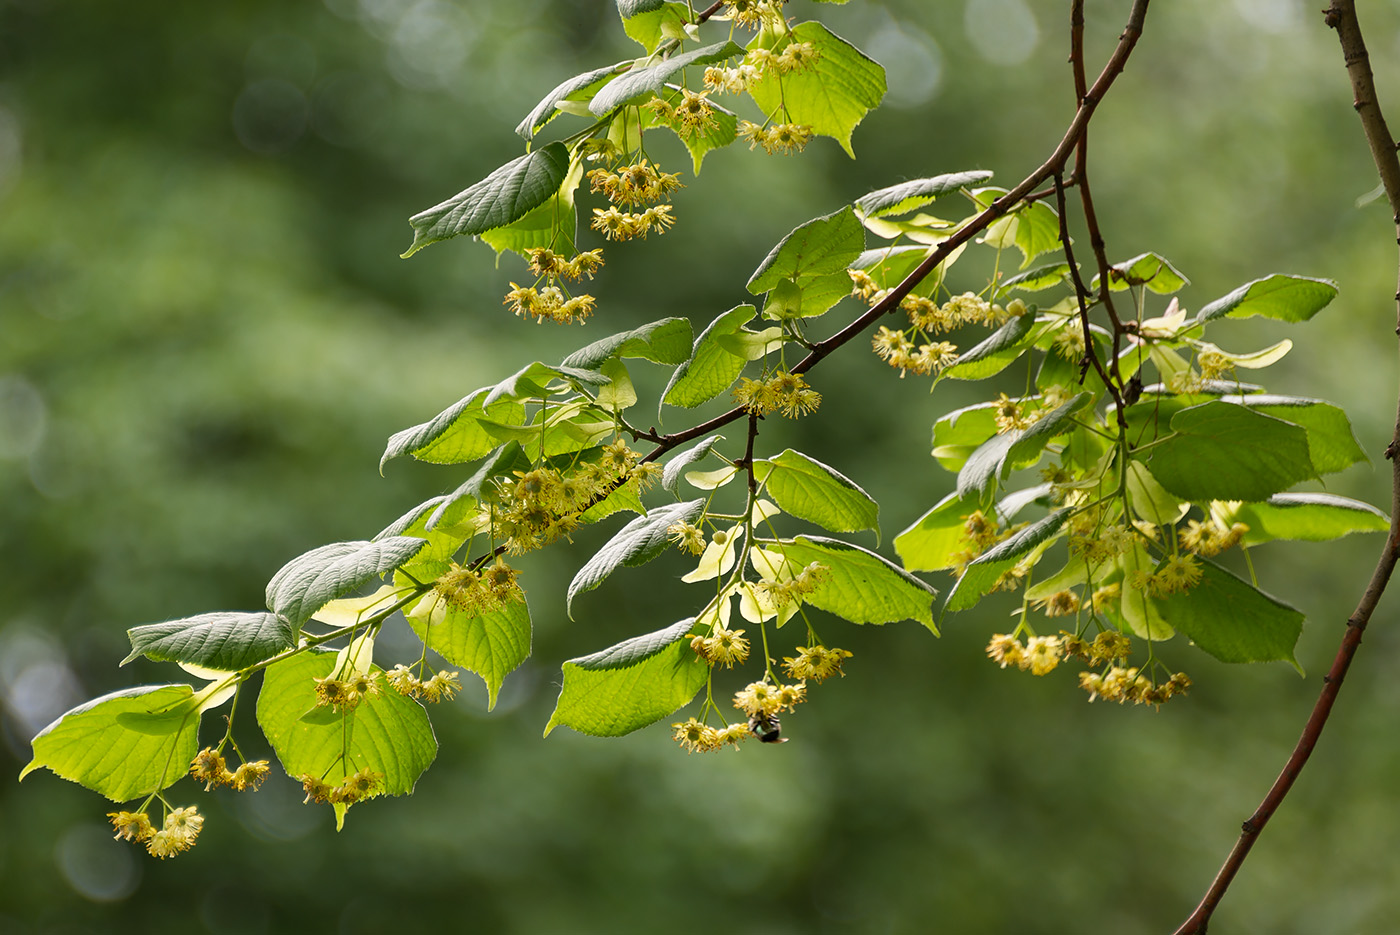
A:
{"x":752,"y":345}
{"x":308,"y":582}
{"x":630,"y":685}
{"x":984,"y":571}
{"x":820,"y":247}
{"x":961,"y":432}
{"x":1224,"y":451}
{"x":1002,"y":454}
{"x":671,"y":475}
{"x":813,"y":297}
{"x":666,"y":341}
{"x":1032,"y":228}
{"x":1150,"y":501}
{"x":1313,"y":517}
{"x":657,"y":21}
{"x":808,"y":489}
{"x":224,"y":640}
{"x":996,"y":353}
{"x":711,"y":369}
{"x":579,"y":87}
{"x":455,"y":435}
{"x":126,"y":744}
{"x":502,"y":197}
{"x":492,"y":645}
{"x":862,"y":587}
{"x":906,"y":196}
{"x":637,"y":543}
{"x":1149,"y":270}
{"x":1287,"y":298}
{"x":1233,"y":620}
{"x":386,"y":732}
{"x":553,"y":224}
{"x":1332,"y":445}
{"x":938,"y":539}
{"x":833,"y":94}
{"x":652,"y":79}
{"x":619,"y":393}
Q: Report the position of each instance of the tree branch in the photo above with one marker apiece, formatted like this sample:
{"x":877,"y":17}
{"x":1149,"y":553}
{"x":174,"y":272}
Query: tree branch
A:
{"x":1342,"y":17}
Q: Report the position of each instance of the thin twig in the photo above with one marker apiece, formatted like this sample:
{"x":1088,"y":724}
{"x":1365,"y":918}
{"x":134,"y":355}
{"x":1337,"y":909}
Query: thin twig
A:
{"x":1342,"y":17}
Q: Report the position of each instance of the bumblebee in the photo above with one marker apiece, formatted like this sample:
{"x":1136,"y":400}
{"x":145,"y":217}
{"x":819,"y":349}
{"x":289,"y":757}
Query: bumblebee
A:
{"x":766,"y":728}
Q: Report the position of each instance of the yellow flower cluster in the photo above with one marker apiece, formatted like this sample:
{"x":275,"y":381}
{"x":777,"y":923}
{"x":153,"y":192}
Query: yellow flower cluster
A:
{"x":800,"y":586}
{"x":692,"y":115}
{"x":352,"y":789}
{"x":545,"y":262}
{"x":760,"y":699}
{"x":624,"y":225}
{"x":783,"y":391}
{"x":981,"y":532}
{"x":896,"y":349}
{"x":1210,"y":537}
{"x":346,"y":694}
{"x":638,"y":184}
{"x":816,"y":663}
{"x":209,"y":768}
{"x":1039,"y":655}
{"x":753,"y":13}
{"x":776,"y":138}
{"x":1128,"y":684}
{"x":549,"y":302}
{"x":176,"y":835}
{"x":722,"y":647}
{"x":440,"y":687}
{"x":697,"y":737}
{"x":1180,"y":573}
{"x":480,"y":592}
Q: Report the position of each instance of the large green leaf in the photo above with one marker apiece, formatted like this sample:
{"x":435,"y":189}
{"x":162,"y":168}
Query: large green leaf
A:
{"x":664,"y":342}
{"x":492,"y":645}
{"x":1287,"y":298}
{"x":711,"y":369}
{"x":630,"y":685}
{"x":502,"y":197}
{"x":579,"y":87}
{"x":1149,"y":270}
{"x":833,"y":94}
{"x":386,"y":732}
{"x":223,"y":640}
{"x":1232,"y":620}
{"x":937,"y":539}
{"x":1314,"y":517}
{"x":906,"y":196}
{"x":310,"y":581}
{"x":123,"y":745}
{"x":1332,"y":445}
{"x":455,"y":435}
{"x":996,"y":353}
{"x":553,"y":225}
{"x":982,"y":573}
{"x":1002,"y":454}
{"x":808,"y":489}
{"x":652,"y":79}
{"x":863,"y":587}
{"x":1223,"y":451}
{"x":637,"y":543}
{"x":820,"y":247}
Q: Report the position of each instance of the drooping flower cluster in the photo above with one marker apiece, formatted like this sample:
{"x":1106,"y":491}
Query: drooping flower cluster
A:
{"x":695,"y":736}
{"x":913,"y":349}
{"x":1122,"y":684}
{"x":816,"y":663}
{"x":480,"y":591}
{"x":345,"y":694}
{"x":691,"y":114}
{"x":353,"y":788}
{"x":177,"y":833}
{"x":724,"y":647}
{"x":630,"y":187}
{"x":776,"y":138}
{"x":1211,"y":537}
{"x":210,"y":768}
{"x":783,"y":392}
{"x":442,"y":686}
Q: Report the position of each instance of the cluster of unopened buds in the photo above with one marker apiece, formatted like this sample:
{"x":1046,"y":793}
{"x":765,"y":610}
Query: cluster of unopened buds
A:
{"x":175,"y":835}
{"x":783,"y":392}
{"x":353,"y":788}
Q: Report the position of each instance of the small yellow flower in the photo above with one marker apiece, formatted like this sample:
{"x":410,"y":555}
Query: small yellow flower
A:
{"x":1180,"y":573}
{"x":317,"y":790}
{"x":402,"y":680}
{"x":727,"y":647}
{"x":333,"y":693}
{"x":1005,"y":650}
{"x":132,"y":826}
{"x":209,"y":768}
{"x":790,"y":696}
{"x":441,"y":687}
{"x":696,"y":737}
{"x":1009,"y":414}
{"x":250,"y":775}
{"x":688,"y":536}
{"x":694,"y":113}
{"x":1059,"y":604}
{"x":758,"y":698}
{"x":816,"y":663}
{"x":178,"y":834}
{"x":1042,"y":654}
{"x":787,"y":138}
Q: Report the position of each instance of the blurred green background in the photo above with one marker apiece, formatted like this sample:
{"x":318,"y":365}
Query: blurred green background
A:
{"x":206,"y":335}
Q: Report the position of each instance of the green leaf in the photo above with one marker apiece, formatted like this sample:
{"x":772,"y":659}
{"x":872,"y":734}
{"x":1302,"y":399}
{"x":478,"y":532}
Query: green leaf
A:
{"x":622,"y":497}
{"x":822,"y":246}
{"x":1150,"y":501}
{"x":386,"y":732}
{"x":619,"y":394}
{"x":906,"y":196}
{"x":752,"y":345}
{"x":455,"y":435}
{"x":1224,"y":451}
{"x":223,"y":640}
{"x":1002,"y":454}
{"x":996,"y":353}
{"x":534,"y":381}
{"x":1287,"y":298}
{"x":630,"y":685}
{"x":637,"y":543}
{"x":630,"y":8}
{"x":815,"y":296}
{"x":711,"y":369}
{"x":833,"y":95}
{"x":579,"y":87}
{"x":1038,"y":279}
{"x":553,"y":224}
{"x":982,"y":573}
{"x":1331,"y":444}
{"x":863,"y":587}
{"x":1033,"y":228}
{"x":808,"y":489}
{"x":126,"y":744}
{"x":961,"y":432}
{"x":652,"y":79}
{"x":1139,"y":614}
{"x":671,"y":476}
{"x":310,"y":581}
{"x":656,"y":22}
{"x":1313,"y":517}
{"x":502,"y":197}
{"x":1233,"y":620}
{"x":938,"y":539}
{"x":664,"y":342}
{"x":492,"y":645}
{"x":1148,"y":270}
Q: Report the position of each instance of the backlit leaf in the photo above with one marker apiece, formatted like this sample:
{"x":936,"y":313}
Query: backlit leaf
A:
{"x":492,"y":645}
{"x":1223,"y":451}
{"x":309,"y":581}
{"x":1287,"y":298}
{"x":223,"y":640}
{"x":862,"y":587}
{"x":808,"y":489}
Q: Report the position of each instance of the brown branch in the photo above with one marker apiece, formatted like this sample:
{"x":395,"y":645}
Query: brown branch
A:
{"x":1342,"y":17}
{"x":1052,"y":166}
